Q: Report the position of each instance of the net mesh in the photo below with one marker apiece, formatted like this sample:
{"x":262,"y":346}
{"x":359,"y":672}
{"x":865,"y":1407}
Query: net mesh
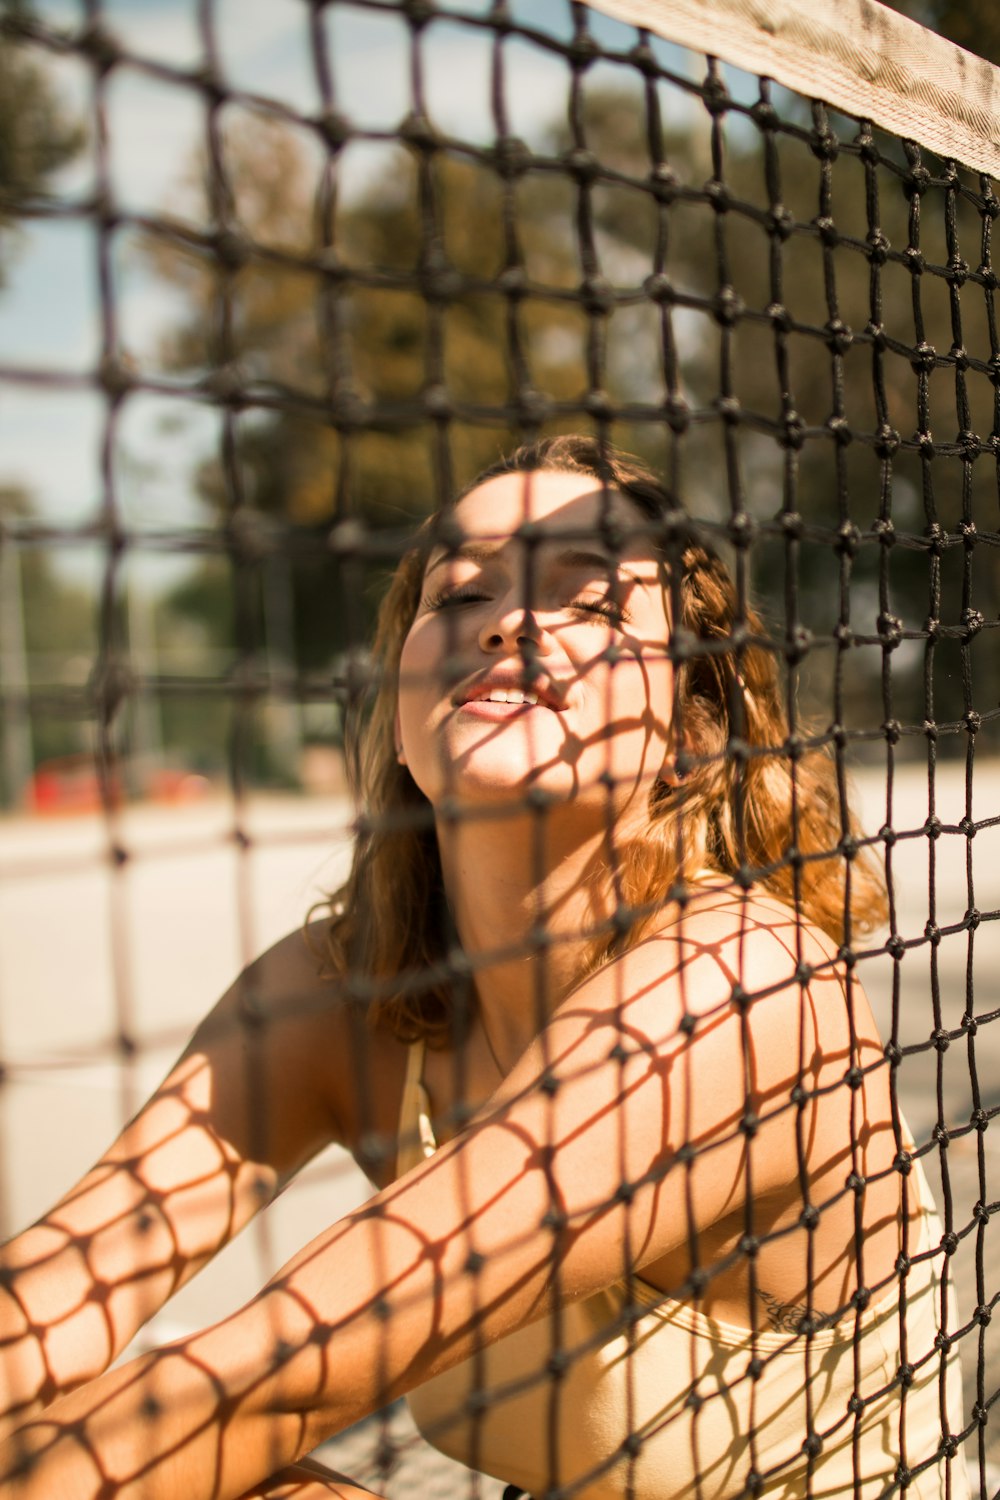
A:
{"x":306,"y":326}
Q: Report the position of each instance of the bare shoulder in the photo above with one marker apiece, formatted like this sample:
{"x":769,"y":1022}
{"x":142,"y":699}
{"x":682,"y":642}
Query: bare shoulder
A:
{"x":298,"y":988}
{"x":731,"y":952}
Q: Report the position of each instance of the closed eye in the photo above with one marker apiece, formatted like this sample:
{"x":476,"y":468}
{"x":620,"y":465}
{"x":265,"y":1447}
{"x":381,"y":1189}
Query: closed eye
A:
{"x":445,"y":597}
{"x":607,"y":610}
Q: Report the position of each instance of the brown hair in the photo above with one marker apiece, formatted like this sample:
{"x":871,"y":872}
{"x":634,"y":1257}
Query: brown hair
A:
{"x":750,"y":801}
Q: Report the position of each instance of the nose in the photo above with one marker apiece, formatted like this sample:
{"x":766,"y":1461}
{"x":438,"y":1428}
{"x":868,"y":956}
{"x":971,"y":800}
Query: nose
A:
{"x":515,"y":628}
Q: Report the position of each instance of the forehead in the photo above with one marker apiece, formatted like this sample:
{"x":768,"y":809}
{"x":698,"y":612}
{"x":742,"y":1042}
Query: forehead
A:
{"x":554,"y":502}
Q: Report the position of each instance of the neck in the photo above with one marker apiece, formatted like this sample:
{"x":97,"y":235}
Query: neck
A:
{"x":509,"y":879}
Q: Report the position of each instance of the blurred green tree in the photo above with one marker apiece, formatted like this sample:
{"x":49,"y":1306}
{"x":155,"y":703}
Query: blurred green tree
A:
{"x":37,"y":135}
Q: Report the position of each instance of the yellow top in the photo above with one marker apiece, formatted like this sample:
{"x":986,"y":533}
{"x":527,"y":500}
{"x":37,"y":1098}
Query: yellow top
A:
{"x":670,"y":1409}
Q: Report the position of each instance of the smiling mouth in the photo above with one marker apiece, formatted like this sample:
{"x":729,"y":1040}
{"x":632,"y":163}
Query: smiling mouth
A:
{"x":505,"y":695}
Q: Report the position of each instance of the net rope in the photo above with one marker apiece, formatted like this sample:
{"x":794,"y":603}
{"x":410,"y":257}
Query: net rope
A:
{"x":790,"y":314}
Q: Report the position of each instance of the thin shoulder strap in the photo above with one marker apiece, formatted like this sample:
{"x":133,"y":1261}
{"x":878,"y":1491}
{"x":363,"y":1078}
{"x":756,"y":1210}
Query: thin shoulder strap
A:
{"x":416,"y":1140}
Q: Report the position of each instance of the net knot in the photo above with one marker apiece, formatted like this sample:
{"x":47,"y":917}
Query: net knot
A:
{"x":513,"y":282}
{"x":885,"y":531}
{"x":941,"y":1135}
{"x":809,"y":1217}
{"x":659,"y":288}
{"x":742,"y":529}
{"x":824,"y":144}
{"x":781,"y":221}
{"x":973,"y":622}
{"x":848,"y":539}
{"x":715,"y":95}
{"x":418,"y":12}
{"x":983,"y":1315}
{"x":979,"y":1118}
{"x":855,"y":1405}
{"x":728,"y":306}
{"x":100,"y":46}
{"x":418,"y":131}
{"x":917,"y":180}
{"x":981,"y":1213}
{"x":914,"y":260}
{"x":973,"y":916}
{"x":890,"y":628}
{"x":813,"y":1445}
{"x":941,"y":1039}
{"x":642,"y":57}
{"x":333,"y":129}
{"x":582,"y":51}
{"x":599,"y":405}
{"x":925,"y":442}
{"x":664,"y":182}
{"x":949,"y":1242}
{"x":677,"y":413}
{"x":116,"y":377}
{"x":437,"y":403}
{"x":902,"y":1162}
{"x":924,"y":357}
{"x":837,"y":426}
{"x":887,"y":441}
{"x":511,"y":156}
{"x":932,"y":931}
{"x":533,"y":407}
{"x":582,"y":164}
{"x":764,"y":114}
{"x":793,"y":431}
{"x":827,"y":230}
{"x":718,"y":195}
{"x":878,"y":247}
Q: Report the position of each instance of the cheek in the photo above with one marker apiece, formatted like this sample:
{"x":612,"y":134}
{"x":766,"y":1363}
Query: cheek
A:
{"x":640,"y":689}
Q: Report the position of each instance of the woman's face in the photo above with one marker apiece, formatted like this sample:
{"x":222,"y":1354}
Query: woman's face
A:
{"x":567,"y":622}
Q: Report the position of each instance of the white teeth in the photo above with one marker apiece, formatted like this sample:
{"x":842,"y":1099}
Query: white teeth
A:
{"x":511,"y":695}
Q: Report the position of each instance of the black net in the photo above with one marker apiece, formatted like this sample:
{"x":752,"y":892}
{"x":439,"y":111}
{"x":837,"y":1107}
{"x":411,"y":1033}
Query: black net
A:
{"x":279,"y":283}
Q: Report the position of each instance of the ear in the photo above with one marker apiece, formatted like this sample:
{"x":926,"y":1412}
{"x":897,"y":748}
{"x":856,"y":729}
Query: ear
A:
{"x":674,"y":767}
{"x":398,"y":737}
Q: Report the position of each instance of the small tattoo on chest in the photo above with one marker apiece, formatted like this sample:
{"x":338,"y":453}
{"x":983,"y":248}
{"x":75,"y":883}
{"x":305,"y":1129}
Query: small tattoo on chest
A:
{"x":789,"y":1317}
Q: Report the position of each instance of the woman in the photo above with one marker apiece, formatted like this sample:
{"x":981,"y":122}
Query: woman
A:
{"x":648,"y":1222}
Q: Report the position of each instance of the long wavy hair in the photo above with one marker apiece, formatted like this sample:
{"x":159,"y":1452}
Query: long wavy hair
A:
{"x":749,"y":800}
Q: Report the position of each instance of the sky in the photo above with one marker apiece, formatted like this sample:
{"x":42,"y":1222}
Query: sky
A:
{"x":51,"y":440}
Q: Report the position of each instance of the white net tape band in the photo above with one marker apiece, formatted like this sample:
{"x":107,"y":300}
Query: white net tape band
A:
{"x":856,"y":55}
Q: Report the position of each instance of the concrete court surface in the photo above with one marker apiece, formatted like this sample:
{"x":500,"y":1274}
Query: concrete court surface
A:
{"x":83,"y":945}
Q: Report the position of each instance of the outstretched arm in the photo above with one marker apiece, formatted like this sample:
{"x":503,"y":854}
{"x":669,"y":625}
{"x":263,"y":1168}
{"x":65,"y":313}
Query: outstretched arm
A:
{"x":525,"y":1209}
{"x":188,"y":1172}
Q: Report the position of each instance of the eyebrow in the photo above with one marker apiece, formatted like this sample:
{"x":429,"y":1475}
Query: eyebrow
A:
{"x":569,"y":557}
